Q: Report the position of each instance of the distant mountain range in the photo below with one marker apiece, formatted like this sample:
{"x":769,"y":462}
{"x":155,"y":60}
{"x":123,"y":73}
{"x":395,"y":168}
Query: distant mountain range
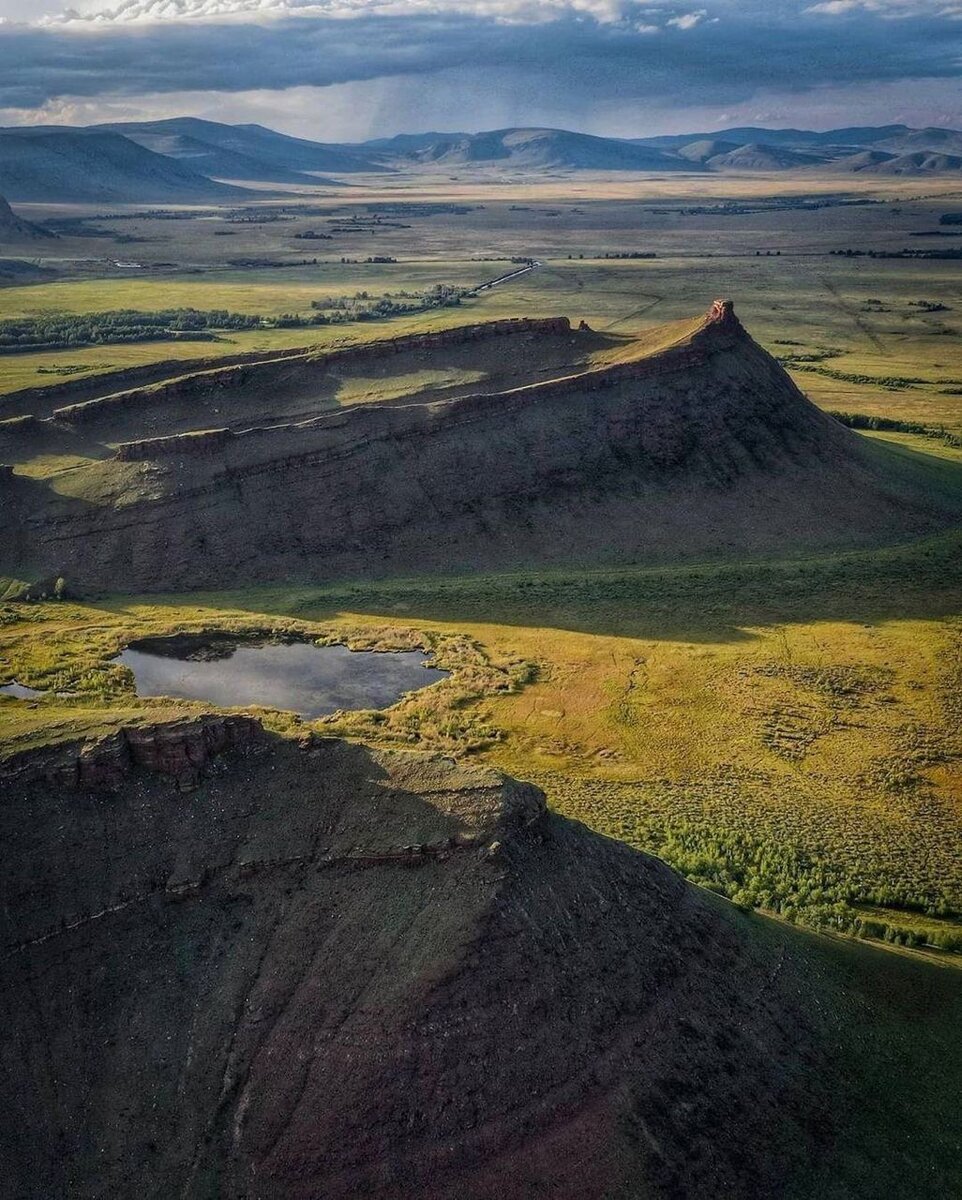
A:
{"x":880,"y":150}
{"x":186,"y":159}
{"x":526,"y":149}
{"x":887,"y":149}
{"x":59,"y":164}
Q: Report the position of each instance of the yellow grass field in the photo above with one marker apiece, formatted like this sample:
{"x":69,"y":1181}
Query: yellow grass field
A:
{"x":785,"y":733}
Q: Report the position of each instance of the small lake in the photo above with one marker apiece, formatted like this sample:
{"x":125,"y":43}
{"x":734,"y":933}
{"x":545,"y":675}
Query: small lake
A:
{"x":297,"y":676}
{"x":21,"y":691}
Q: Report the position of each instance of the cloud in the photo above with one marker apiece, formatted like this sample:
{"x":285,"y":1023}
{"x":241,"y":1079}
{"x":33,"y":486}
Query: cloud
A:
{"x":607,"y":12}
{"x":585,"y":53}
{"x":893,"y":9}
{"x":688,"y":20}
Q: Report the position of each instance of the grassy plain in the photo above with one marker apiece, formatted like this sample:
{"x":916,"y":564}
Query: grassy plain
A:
{"x":786,"y":733}
{"x":892,"y":359}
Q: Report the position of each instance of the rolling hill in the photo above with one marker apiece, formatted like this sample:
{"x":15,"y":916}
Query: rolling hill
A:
{"x":937,"y":141}
{"x":527,"y":149}
{"x":756,"y":156}
{"x":862,"y":160}
{"x":214,"y":161}
{"x":50,"y":163}
{"x":689,"y":443}
{"x":706,"y":148}
{"x":854,"y":135}
{"x":854,"y":148}
{"x":921,"y":162}
{"x":220,"y":149}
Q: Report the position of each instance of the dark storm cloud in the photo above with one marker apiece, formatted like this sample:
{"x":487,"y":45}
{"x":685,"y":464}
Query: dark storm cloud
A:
{"x":721,"y":55}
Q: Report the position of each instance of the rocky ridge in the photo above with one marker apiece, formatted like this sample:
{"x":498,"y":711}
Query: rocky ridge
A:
{"x":704,"y":444}
{"x":331,"y":971}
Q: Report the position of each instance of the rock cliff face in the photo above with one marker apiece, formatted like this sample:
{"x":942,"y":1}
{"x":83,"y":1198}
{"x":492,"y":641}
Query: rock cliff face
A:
{"x":705,"y":446}
{"x":325,"y":971}
{"x":183,"y":751}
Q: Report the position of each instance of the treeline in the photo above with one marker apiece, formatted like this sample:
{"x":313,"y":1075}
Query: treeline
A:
{"x":892,"y":425}
{"x":950,"y":252}
{"x":799,"y":887}
{"x":362,"y":306}
{"x":61,"y":331}
{"x":891,"y":383}
{"x":628,"y":254}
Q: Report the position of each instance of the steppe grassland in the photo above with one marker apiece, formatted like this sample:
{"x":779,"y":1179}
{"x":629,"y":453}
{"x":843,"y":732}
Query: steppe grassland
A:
{"x":786,"y":734}
{"x":852,"y":329}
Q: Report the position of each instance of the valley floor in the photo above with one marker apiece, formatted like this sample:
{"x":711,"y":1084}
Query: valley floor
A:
{"x":786,"y":733}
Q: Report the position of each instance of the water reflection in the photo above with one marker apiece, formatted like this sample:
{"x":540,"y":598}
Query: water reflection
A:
{"x":20,"y":690}
{"x":304,"y":678}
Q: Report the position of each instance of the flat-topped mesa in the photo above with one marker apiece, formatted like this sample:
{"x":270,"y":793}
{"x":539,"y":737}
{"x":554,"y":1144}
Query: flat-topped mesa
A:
{"x":336,"y":971}
{"x":296,"y":368}
{"x":187,"y":750}
{"x":700,"y":340}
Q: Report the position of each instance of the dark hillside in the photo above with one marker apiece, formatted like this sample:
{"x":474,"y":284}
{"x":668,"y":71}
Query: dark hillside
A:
{"x":16,"y":229}
{"x":48,"y":163}
{"x":694,"y":443}
{"x":241,"y":966}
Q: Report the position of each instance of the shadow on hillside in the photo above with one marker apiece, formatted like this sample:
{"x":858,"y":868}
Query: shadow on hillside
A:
{"x":722,"y":602}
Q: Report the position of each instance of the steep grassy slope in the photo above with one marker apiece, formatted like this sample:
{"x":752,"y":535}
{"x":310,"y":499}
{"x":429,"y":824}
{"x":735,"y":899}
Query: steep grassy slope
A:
{"x":239,"y":965}
{"x":700,"y":446}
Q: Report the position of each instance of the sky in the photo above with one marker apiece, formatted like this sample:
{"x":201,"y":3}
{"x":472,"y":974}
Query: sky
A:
{"x":346,"y":70}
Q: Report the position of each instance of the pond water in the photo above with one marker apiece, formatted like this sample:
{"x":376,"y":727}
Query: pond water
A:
{"x":20,"y":690}
{"x":298,"y":676}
